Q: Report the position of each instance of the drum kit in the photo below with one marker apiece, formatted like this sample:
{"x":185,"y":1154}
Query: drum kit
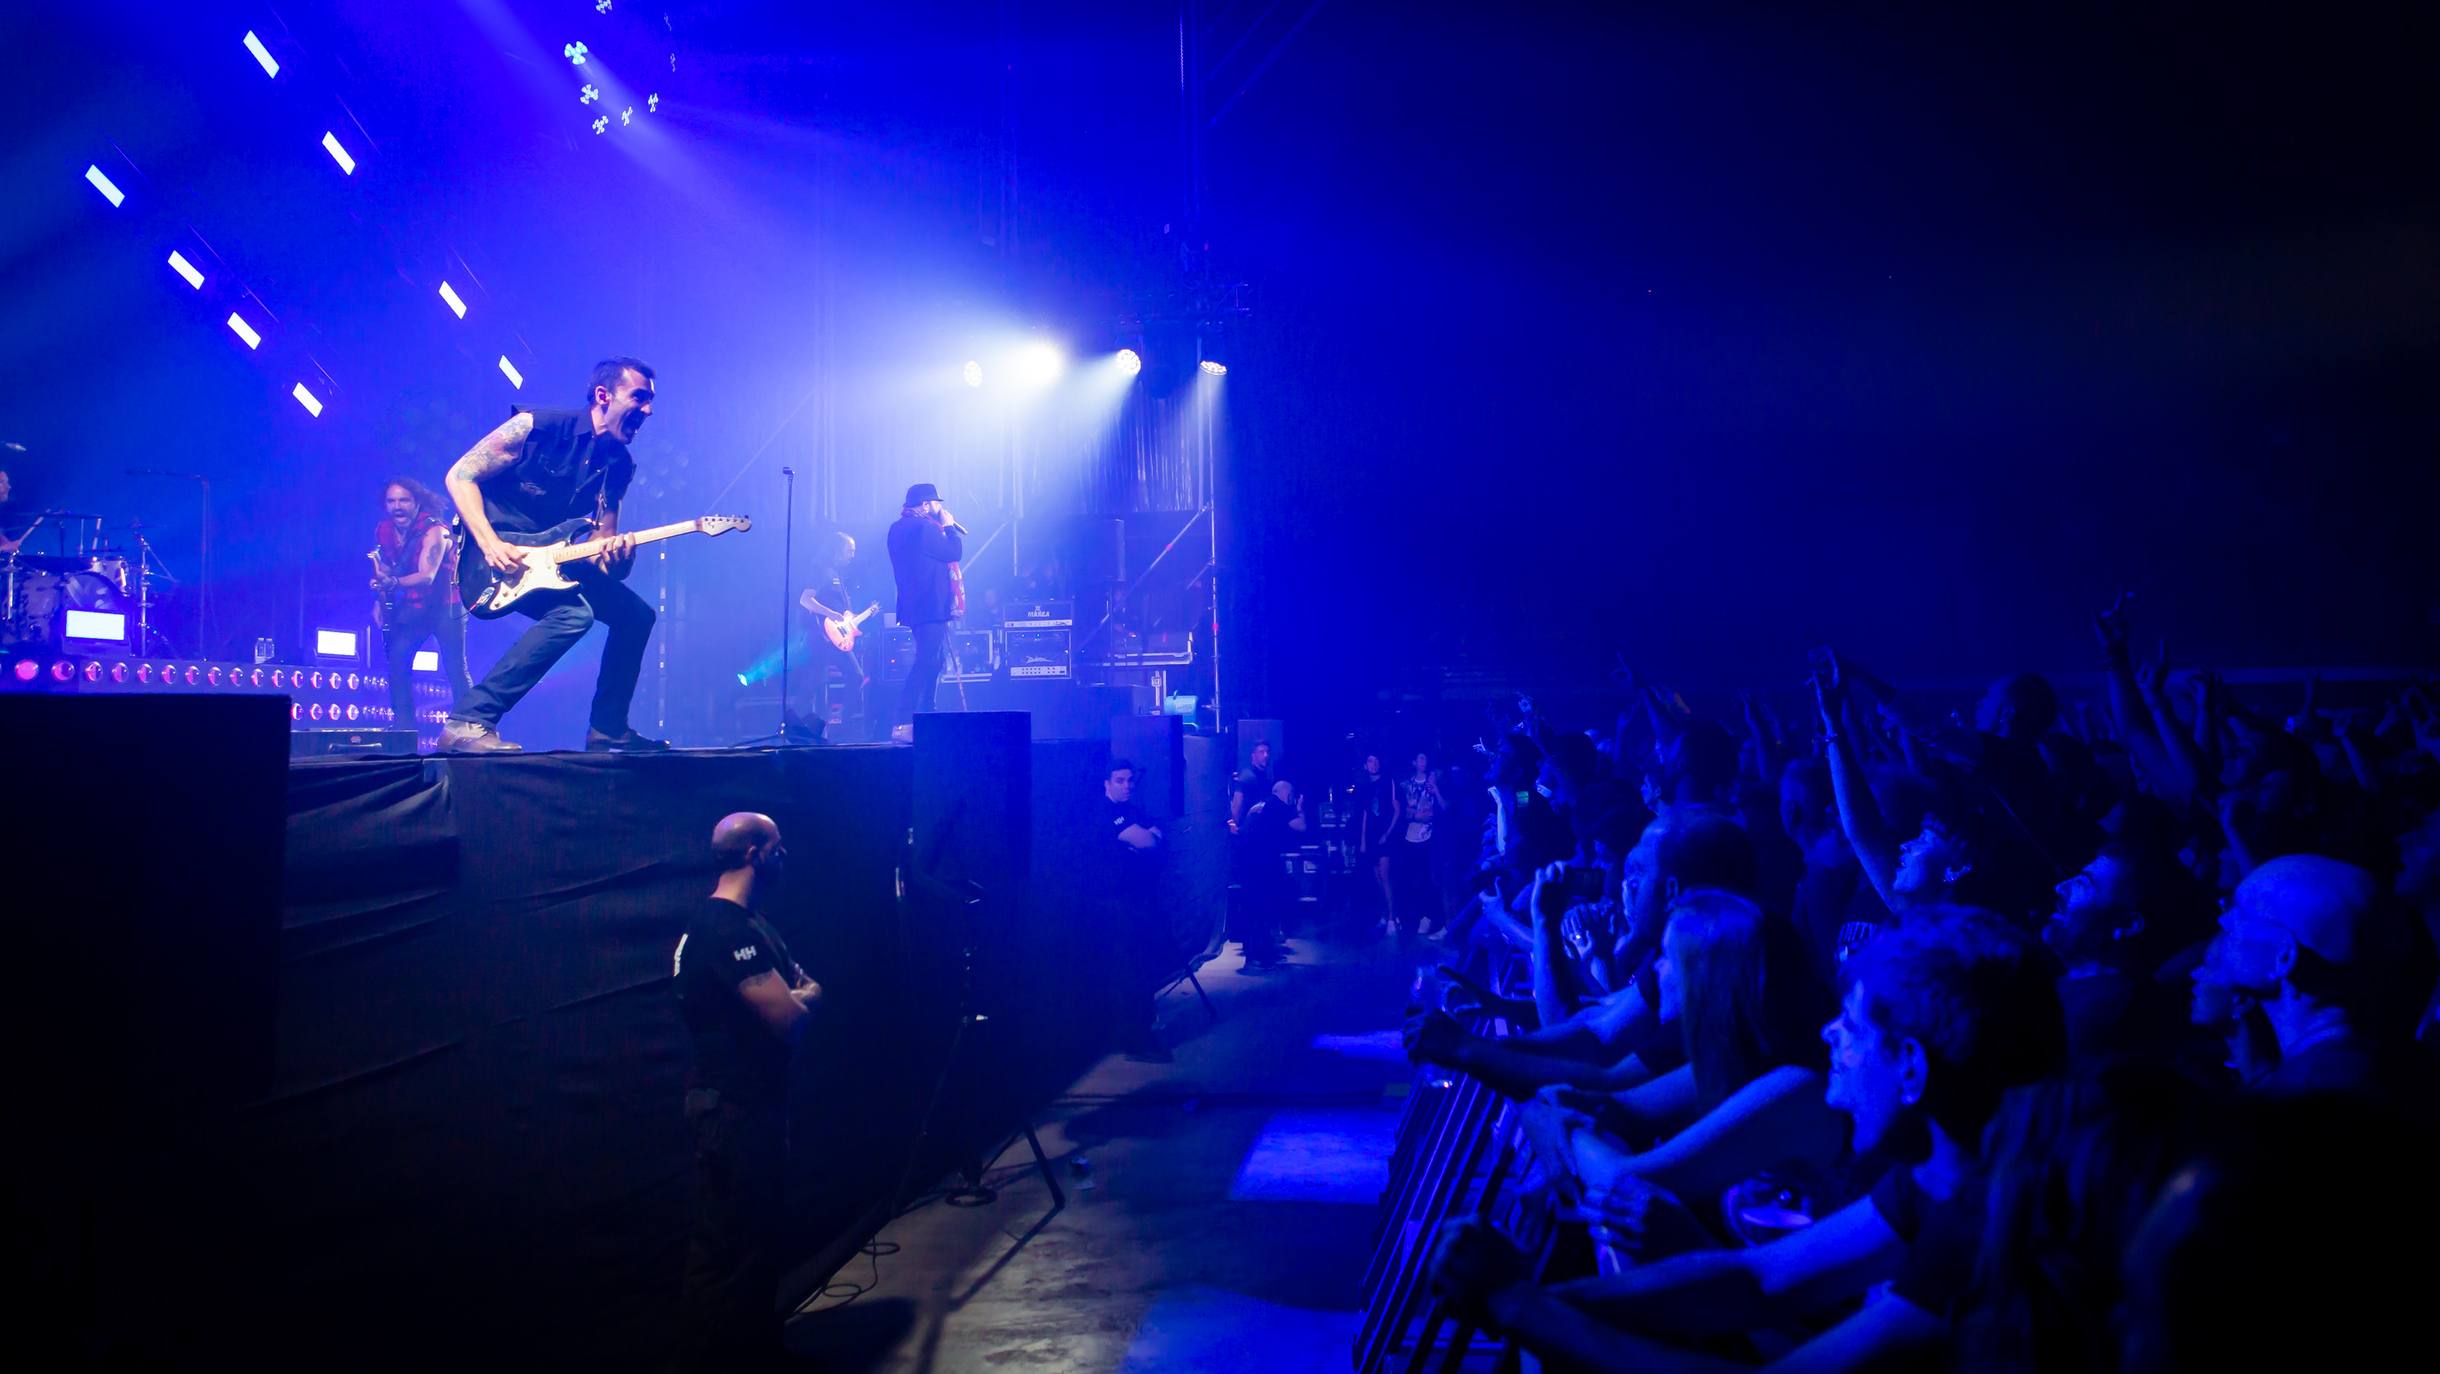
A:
{"x":65,"y":563}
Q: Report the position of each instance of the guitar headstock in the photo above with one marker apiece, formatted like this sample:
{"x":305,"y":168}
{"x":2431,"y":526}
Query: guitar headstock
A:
{"x":722,"y":524}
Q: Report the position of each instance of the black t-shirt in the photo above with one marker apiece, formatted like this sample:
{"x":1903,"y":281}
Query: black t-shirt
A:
{"x":1942,"y":1237}
{"x":565,"y":471}
{"x":1116,"y":817}
{"x":831,"y":589}
{"x":735,"y":1051}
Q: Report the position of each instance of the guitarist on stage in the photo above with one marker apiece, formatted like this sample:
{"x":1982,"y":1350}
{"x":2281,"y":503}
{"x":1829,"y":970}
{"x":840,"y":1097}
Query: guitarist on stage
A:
{"x":831,"y":601}
{"x":541,"y":468}
{"x":925,"y":546}
{"x":415,"y":591}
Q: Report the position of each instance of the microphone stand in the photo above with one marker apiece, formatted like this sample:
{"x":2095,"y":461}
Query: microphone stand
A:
{"x":790,"y":730}
{"x":203,"y":571}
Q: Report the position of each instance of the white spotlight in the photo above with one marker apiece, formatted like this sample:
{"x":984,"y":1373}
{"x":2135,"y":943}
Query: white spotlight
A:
{"x":1041,"y":363}
{"x":509,"y":370}
{"x":110,"y":192}
{"x":1212,"y":369}
{"x":338,"y":154}
{"x":1129,"y":362}
{"x":179,"y":265}
{"x":451,"y":296}
{"x":262,"y":54}
{"x":311,"y":402}
{"x":973,"y":374}
{"x":243,"y":330}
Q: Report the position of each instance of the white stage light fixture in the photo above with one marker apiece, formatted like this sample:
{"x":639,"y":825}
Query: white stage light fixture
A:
{"x":338,"y":154}
{"x":973,"y":373}
{"x":1041,"y":363}
{"x":311,"y":402}
{"x":254,"y":45}
{"x":110,"y":191}
{"x":334,"y":644}
{"x":509,"y":370}
{"x":449,"y":294}
{"x":1130,"y":362}
{"x":179,"y":265}
{"x":427,"y":660}
{"x":1212,"y":369}
{"x":243,"y":330}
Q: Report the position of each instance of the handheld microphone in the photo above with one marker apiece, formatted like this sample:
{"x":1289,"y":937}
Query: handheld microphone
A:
{"x":787,"y":472}
{"x":962,"y":531}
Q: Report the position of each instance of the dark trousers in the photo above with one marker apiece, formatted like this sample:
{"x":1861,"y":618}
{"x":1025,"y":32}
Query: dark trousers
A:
{"x":922,"y":686}
{"x":728,"y":1316}
{"x":399,"y":643}
{"x":827,"y":656}
{"x":559,"y":621}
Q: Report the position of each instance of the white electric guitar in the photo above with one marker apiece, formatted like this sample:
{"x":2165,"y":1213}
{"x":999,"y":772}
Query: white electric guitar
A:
{"x":489,"y":595}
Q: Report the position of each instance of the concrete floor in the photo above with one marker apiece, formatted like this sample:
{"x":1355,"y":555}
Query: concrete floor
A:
{"x":1219,"y":1208}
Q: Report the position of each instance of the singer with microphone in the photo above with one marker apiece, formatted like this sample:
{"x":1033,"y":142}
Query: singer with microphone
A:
{"x":925,"y":546}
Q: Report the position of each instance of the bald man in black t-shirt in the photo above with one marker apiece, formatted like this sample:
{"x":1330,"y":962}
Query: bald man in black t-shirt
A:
{"x":746,"y":1005}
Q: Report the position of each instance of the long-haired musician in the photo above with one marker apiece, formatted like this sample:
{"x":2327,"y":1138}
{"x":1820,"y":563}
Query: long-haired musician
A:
{"x":415,"y":591}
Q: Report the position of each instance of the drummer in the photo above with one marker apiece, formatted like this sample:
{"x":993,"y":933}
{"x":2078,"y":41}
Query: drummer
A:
{"x":9,"y":542}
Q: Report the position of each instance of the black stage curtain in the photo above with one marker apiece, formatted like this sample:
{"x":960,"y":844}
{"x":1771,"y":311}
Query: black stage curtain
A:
{"x":472,"y":1147}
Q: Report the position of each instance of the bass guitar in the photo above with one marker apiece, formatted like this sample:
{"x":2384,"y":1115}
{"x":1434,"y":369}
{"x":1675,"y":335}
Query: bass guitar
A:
{"x":489,"y":595}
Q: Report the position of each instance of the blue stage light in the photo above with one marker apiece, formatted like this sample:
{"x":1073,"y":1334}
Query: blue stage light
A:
{"x":103,"y":184}
{"x":254,"y":45}
{"x":1130,"y":362}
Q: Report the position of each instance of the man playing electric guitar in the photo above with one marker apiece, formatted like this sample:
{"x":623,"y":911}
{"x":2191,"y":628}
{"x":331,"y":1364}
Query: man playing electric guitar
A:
{"x":415,"y":587}
{"x":832,"y":604}
{"x":541,"y":469}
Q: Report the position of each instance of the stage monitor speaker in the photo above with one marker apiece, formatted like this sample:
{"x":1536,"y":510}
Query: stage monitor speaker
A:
{"x":151,"y":968}
{"x":1156,"y":745}
{"x":974,"y":797}
{"x":1252,"y":731}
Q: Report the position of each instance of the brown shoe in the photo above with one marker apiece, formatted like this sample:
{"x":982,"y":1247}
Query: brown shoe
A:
{"x":474,"y":737}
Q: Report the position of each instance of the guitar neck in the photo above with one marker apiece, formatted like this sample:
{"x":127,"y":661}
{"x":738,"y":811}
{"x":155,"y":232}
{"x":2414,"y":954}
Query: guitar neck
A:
{"x":591,"y":547}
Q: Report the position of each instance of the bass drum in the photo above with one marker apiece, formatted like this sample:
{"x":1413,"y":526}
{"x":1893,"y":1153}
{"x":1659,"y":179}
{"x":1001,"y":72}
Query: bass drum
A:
{"x":45,"y":598}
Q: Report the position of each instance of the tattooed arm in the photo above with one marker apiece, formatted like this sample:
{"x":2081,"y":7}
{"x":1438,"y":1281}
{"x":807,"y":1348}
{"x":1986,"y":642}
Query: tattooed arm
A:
{"x":493,"y":454}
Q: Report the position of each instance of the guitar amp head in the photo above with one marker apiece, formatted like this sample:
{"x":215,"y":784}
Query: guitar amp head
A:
{"x":1038,"y":653}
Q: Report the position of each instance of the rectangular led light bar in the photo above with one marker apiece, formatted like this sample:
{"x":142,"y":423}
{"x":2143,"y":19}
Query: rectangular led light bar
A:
{"x":449,"y":294}
{"x":311,"y":402}
{"x":254,"y":45}
{"x":244,"y":330}
{"x":103,"y":184}
{"x":179,"y":265}
{"x":509,"y":370}
{"x":338,"y":154}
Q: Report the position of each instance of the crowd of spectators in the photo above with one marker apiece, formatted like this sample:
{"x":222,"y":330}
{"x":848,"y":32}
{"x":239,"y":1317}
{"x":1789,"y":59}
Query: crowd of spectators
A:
{"x":2070,"y":1034}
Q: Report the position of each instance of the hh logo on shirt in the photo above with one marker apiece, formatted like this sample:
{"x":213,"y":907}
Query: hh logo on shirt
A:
{"x":741,"y":955}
